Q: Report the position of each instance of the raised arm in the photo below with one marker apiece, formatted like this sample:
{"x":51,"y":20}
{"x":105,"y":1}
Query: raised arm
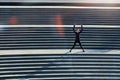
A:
{"x":74,"y":28}
{"x":81,"y":28}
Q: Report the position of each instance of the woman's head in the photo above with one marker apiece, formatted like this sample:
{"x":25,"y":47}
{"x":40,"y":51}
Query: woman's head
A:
{"x":78,"y":30}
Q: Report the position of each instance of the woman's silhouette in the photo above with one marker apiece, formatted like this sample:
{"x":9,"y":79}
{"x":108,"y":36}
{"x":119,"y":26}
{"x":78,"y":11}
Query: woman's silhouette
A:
{"x":77,"y":37}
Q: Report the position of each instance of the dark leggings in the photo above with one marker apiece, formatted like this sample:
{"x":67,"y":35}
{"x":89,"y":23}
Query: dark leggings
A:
{"x":75,"y":45}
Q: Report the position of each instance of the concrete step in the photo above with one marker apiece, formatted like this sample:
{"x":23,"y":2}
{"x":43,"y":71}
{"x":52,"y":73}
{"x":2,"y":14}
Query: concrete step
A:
{"x":59,"y":66}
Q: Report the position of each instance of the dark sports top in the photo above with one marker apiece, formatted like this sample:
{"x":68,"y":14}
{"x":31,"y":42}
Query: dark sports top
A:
{"x":77,"y":35}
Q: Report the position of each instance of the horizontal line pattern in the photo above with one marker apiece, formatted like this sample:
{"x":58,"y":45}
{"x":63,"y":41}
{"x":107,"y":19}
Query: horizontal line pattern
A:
{"x":60,"y":66}
{"x":35,"y":38}
{"x":47,"y":16}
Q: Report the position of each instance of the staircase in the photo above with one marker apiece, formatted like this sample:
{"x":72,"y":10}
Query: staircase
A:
{"x":14,"y":38}
{"x":48,"y":16}
{"x":60,"y":67}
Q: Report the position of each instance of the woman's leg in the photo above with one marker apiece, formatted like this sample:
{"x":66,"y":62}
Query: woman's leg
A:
{"x":73,"y":46}
{"x":81,"y":46}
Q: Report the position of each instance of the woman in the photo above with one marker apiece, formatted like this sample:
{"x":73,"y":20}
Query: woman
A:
{"x":77,"y":38}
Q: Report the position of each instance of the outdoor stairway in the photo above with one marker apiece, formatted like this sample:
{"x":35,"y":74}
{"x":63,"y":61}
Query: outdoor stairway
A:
{"x":49,"y":38}
{"x":69,"y":16}
{"x":92,"y":66}
{"x":60,"y":67}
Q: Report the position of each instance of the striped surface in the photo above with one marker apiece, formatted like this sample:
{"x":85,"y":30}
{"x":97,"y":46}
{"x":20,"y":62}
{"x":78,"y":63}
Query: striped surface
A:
{"x":87,"y":66}
{"x":60,"y":66}
{"x":37,"y":15}
{"x":49,"y":38}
